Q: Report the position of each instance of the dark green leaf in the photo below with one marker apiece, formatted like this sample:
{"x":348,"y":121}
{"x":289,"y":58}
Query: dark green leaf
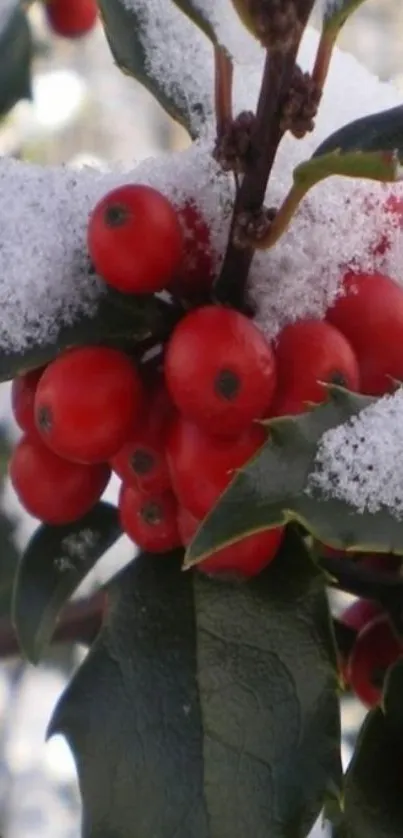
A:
{"x":119,"y":320}
{"x":271,"y":490}
{"x":126,"y":31}
{"x":337,"y":12}
{"x":195,"y":12}
{"x":8,"y":565}
{"x":378,"y":132}
{"x":383,"y":166}
{"x":373,"y":791}
{"x":54,"y":563}
{"x":15,"y":59}
{"x":206,"y":708}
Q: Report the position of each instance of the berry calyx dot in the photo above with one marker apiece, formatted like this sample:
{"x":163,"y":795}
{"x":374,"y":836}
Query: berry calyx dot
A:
{"x":142,"y":461}
{"x":227,"y":384}
{"x":116,"y":215}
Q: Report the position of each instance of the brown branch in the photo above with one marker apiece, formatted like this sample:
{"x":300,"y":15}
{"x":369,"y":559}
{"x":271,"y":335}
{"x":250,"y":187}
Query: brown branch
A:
{"x":265,"y":139}
{"x":224,"y":72}
{"x":323,"y":57}
{"x":79,"y":623}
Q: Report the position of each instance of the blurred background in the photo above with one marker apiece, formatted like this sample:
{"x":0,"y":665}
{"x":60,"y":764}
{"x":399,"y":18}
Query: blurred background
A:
{"x":86,"y":112}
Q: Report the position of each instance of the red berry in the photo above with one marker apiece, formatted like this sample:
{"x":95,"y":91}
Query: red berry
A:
{"x":220,"y":370}
{"x":370,"y":315}
{"x":135,"y":239}
{"x":360,"y":613}
{"x":202,"y":467}
{"x":23,"y":391}
{"x":245,"y":558}
{"x":141,"y":462}
{"x":311,"y":353}
{"x":375,"y":650}
{"x":52,"y":489}
{"x":150,"y":521}
{"x":197,"y":270}
{"x":87,"y":403}
{"x":71,"y":18}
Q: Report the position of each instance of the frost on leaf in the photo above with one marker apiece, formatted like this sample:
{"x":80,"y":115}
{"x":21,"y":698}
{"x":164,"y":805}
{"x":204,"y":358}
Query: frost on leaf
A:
{"x":361,"y":462}
{"x":44,"y":278}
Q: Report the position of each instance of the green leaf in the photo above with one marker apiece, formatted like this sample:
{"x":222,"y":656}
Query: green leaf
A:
{"x":15,"y":59}
{"x":381,"y":166}
{"x":119,"y":320}
{"x":271,"y":490}
{"x":373,"y":806}
{"x":127,"y":34}
{"x":225,"y":718}
{"x":54,"y":563}
{"x":195,"y":12}
{"x":378,"y":132}
{"x":337,"y":12}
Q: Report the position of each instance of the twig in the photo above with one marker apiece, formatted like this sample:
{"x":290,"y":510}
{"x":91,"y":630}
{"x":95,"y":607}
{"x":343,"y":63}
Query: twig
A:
{"x":223,"y":88}
{"x":323,"y":57}
{"x":265,"y":139}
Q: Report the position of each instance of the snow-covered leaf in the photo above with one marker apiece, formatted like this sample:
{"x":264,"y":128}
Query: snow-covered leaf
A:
{"x":195,"y":10}
{"x":15,"y":55}
{"x":146,"y":41}
{"x":197,"y":692}
{"x":377,"y":132}
{"x":53,"y":565}
{"x":273,"y":489}
{"x":373,"y":801}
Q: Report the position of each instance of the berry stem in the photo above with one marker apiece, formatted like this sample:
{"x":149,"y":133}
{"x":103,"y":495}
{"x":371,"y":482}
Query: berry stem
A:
{"x":323,"y":57}
{"x":224,"y":73}
{"x":265,"y":139}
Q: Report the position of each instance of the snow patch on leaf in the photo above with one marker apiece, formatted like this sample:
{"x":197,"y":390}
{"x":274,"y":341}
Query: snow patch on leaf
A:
{"x":361,"y":462}
{"x":44,"y":278}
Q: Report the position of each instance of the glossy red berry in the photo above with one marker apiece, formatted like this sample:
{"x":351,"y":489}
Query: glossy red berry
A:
{"x":23,"y":391}
{"x":196,"y":273}
{"x":87,"y":403}
{"x":71,"y":18}
{"x":202,"y":467}
{"x":246,"y":558}
{"x":149,"y":520}
{"x":311,"y":353}
{"x":376,"y":648}
{"x":220,"y":370}
{"x":135,"y":239}
{"x":370,"y":314}
{"x":52,"y":489}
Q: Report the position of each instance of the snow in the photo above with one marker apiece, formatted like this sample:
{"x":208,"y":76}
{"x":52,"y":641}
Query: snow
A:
{"x":44,"y":281}
{"x":361,"y":462}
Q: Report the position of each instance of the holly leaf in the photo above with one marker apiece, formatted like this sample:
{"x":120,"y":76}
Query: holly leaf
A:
{"x":16,"y":51}
{"x":118,"y":321}
{"x":337,"y":12}
{"x":272,"y":490}
{"x":377,"y":132}
{"x":54,"y":563}
{"x":381,"y":166}
{"x":373,"y":803}
{"x":135,"y":34}
{"x":198,"y":16}
{"x":225,"y":715}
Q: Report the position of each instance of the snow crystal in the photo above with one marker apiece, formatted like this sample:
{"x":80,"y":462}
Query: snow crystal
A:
{"x":44,"y":281}
{"x":361,"y":462}
{"x":78,"y":544}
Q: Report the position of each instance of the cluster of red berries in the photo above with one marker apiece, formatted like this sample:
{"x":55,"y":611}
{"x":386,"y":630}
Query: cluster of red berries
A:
{"x":376,"y":646}
{"x":71,"y":18}
{"x":175,"y":437}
